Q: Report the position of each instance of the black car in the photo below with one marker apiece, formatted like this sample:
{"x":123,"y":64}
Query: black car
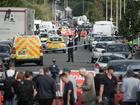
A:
{"x":6,"y":42}
{"x":5,"y":52}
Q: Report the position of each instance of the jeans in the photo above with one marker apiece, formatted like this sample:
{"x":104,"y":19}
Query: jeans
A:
{"x":8,"y":102}
{"x":129,"y":103}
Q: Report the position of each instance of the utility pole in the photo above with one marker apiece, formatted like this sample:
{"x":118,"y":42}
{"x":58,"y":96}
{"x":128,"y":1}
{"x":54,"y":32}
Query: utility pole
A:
{"x":106,"y":10}
{"x":120,"y":9}
{"x":117,"y":13}
{"x":111,"y":11}
{"x":124,"y":6}
{"x":83,"y":7}
{"x":55,"y":9}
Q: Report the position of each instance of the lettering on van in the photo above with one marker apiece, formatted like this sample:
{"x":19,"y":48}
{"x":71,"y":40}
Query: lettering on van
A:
{"x":9,"y":16}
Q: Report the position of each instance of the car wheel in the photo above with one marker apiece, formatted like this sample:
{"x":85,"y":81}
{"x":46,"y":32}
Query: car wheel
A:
{"x":64,"y":51}
{"x":40,"y":63}
{"x":93,"y":60}
{"x":90,"y":49}
{"x":85,"y":46}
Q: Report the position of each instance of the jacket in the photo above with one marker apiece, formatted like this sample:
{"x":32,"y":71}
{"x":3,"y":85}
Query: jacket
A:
{"x":89,"y":94}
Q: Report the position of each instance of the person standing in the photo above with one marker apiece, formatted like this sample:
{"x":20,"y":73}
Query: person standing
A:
{"x":88,"y":87}
{"x":68,"y":94}
{"x":108,"y":88}
{"x":70,"y":45}
{"x":130,"y":87}
{"x":54,"y":70}
{"x":98,"y":78}
{"x":46,"y":88}
{"x":19,"y":78}
{"x":73,"y":80}
{"x":26,"y":90}
{"x":9,"y":82}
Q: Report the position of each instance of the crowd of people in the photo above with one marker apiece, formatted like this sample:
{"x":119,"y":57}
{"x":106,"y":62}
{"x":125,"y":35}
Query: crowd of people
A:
{"x":22,"y":88}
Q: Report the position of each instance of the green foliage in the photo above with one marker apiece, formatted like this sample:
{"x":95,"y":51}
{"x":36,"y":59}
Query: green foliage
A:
{"x":43,"y":10}
{"x":129,"y":25}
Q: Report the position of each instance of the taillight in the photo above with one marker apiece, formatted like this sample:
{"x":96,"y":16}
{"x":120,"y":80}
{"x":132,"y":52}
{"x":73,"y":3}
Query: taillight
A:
{"x":41,"y":49}
{"x":13,"y":50}
{"x":97,"y":66}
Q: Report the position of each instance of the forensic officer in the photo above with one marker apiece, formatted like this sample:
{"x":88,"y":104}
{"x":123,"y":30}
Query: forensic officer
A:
{"x":70,"y":45}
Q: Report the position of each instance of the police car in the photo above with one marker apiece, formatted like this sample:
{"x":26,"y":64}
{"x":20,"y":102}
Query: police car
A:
{"x":55,"y":43}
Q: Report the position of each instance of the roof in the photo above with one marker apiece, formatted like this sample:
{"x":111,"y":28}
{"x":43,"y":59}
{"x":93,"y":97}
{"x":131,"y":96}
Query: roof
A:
{"x":124,"y":60}
{"x":115,"y":54}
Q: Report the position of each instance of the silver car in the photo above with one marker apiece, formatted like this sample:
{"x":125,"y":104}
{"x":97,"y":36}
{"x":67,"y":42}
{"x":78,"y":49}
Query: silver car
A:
{"x":105,"y":58}
{"x":121,"y":66}
{"x":97,"y":51}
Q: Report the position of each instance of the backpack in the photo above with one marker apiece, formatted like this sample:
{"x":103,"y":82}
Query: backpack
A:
{"x":9,"y":87}
{"x":25,"y":91}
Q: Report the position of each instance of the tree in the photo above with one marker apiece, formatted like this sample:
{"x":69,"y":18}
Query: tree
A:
{"x":130,"y":22}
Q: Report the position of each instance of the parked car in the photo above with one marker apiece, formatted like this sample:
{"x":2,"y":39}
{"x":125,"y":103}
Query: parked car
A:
{"x":118,"y":48}
{"x":5,"y":52}
{"x":97,"y":51}
{"x":2,"y":67}
{"x":6,"y":42}
{"x":135,"y":68}
{"x":101,"y":39}
{"x":105,"y":58}
{"x":121,"y":66}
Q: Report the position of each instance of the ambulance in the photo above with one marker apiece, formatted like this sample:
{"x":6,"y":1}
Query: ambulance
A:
{"x":27,"y":49}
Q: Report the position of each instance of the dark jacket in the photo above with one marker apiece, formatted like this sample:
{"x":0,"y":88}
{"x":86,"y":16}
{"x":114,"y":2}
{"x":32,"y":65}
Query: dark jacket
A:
{"x":46,"y":87}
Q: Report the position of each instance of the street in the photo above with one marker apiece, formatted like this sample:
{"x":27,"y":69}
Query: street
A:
{"x":82,"y":58}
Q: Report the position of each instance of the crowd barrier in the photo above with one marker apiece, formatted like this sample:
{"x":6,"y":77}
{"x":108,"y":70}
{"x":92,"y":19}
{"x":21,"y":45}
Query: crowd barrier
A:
{"x":1,"y":98}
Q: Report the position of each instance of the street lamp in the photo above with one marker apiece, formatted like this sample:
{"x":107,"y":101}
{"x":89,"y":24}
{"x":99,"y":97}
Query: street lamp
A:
{"x":111,"y":11}
{"x":124,"y":3}
{"x":117,"y":13}
{"x":120,"y":9}
{"x":83,"y":7}
{"x":106,"y":10}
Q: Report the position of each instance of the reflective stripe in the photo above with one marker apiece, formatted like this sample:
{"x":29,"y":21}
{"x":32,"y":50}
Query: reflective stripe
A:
{"x":31,"y":44}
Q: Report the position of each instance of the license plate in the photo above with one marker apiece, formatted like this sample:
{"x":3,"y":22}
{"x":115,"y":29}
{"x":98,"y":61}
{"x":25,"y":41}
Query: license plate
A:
{"x":22,"y":52}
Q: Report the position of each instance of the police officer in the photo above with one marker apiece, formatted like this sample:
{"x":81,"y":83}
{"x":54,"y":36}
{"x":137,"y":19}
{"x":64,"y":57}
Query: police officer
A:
{"x":70,"y":45}
{"x":54,"y":70}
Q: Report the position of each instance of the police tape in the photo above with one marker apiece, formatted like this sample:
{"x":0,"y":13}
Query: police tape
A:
{"x":65,"y":48}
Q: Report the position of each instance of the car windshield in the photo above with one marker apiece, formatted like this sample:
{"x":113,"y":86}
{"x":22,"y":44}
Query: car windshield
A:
{"x":97,"y":38}
{"x":107,"y":39}
{"x":106,"y":59}
{"x":117,"y":48}
{"x":4,"y":49}
{"x":43,"y":35}
{"x":55,"y":39}
{"x":122,"y":66}
{"x":101,"y":45}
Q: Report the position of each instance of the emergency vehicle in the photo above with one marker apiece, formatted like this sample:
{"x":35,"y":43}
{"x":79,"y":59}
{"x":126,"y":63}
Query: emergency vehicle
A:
{"x":27,"y":49}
